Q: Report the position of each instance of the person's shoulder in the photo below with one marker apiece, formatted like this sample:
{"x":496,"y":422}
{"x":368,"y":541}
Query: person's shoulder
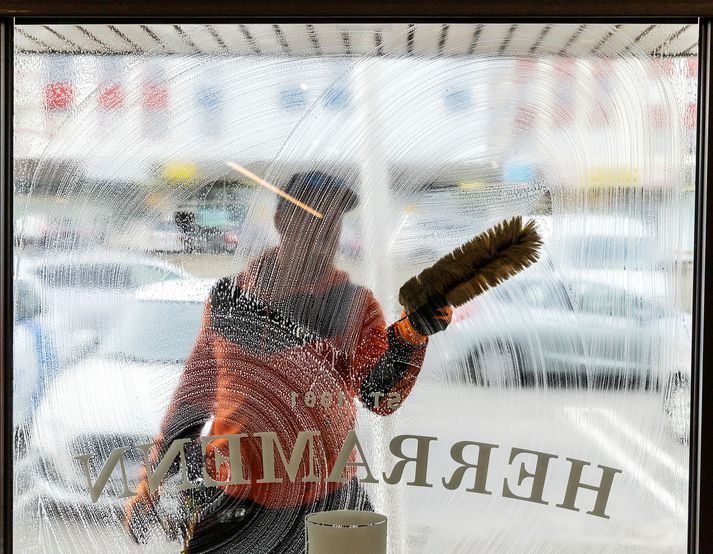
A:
{"x":225,"y":287}
{"x":340,"y":280}
{"x":225,"y":283}
{"x":361,"y":296}
{"x":341,"y":277}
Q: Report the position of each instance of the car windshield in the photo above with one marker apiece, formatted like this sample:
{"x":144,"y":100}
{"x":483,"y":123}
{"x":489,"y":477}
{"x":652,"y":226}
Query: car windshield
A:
{"x":155,"y":331}
{"x":602,"y":300}
{"x":583,"y":297}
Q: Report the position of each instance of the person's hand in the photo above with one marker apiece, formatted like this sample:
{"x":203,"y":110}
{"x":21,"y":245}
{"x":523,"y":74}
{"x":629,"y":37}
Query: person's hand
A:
{"x":140,"y":512}
{"x":427,"y":320}
{"x":431,"y":318}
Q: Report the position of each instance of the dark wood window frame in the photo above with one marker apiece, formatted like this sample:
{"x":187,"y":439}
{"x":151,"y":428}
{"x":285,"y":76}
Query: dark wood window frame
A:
{"x":509,"y":11}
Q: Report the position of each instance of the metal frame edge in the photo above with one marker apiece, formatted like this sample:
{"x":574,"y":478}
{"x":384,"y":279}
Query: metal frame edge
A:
{"x":6,"y":289}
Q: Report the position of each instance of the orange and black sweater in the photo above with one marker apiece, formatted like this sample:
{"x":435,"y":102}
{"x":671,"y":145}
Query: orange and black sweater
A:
{"x":254,"y":362}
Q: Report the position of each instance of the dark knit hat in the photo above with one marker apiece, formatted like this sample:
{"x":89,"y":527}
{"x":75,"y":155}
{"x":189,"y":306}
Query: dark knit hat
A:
{"x":325,"y":193}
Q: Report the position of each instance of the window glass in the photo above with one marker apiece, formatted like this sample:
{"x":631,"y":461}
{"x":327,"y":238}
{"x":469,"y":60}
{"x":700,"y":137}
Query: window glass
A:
{"x":145,"y":275}
{"x":221,"y":223}
{"x":107,"y":276}
{"x":143,"y":336}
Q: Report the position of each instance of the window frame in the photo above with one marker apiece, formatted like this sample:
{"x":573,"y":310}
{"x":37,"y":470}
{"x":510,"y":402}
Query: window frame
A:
{"x":16,"y":12}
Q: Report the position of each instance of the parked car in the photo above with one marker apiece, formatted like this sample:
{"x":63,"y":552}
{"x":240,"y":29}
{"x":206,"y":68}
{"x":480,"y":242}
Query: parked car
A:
{"x":573,"y":329}
{"x":141,"y":236}
{"x":163,"y":237}
{"x":45,"y":231}
{"x":424,"y":239}
{"x":217,"y":240}
{"x":34,"y":354}
{"x":115,"y":397}
{"x":601,"y":241}
{"x":41,"y":349}
{"x":86,"y":289}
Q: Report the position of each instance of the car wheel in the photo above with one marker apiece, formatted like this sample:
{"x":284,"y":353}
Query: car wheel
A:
{"x":677,"y":407}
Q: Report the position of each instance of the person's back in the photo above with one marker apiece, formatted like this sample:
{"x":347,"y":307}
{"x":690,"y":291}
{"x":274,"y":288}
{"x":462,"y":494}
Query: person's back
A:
{"x":286,"y":349}
{"x":297,"y":364}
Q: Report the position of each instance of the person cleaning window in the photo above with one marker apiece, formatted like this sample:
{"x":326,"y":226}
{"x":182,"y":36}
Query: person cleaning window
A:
{"x":287,"y":346}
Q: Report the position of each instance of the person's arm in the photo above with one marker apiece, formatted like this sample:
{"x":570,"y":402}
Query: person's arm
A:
{"x":388,"y":360}
{"x":194,"y":399}
{"x":191,"y":406}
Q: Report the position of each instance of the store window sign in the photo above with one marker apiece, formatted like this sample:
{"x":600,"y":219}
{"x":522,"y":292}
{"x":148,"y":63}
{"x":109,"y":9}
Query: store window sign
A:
{"x":59,"y":96}
{"x":155,"y":96}
{"x":210,"y":101}
{"x":471,"y":459}
{"x":209,"y":98}
{"x":179,"y":172}
{"x":564,"y":92}
{"x":526,"y":117}
{"x":525,"y":71}
{"x":458,"y":100}
{"x":664,"y":66}
{"x":658,"y":116}
{"x":691,"y":70}
{"x":336,"y":98}
{"x":690,"y":115}
{"x":598,"y":176}
{"x":111,"y":97}
{"x":293,"y":98}
{"x":601,"y":115}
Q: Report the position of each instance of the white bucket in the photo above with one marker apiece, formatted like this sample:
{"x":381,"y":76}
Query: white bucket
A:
{"x":346,"y":532}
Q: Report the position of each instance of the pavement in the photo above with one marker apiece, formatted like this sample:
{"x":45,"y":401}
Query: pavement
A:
{"x":625,"y":430}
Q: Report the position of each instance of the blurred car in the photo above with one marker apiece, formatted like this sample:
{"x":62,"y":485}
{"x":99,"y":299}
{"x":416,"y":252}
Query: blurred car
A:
{"x":169,"y":237}
{"x":600,"y":241}
{"x":576,"y":330}
{"x":424,"y":239}
{"x":593,"y":241}
{"x":45,"y":231}
{"x":231,"y":236}
{"x":114,"y":398}
{"x":217,"y":240}
{"x":86,"y":289}
{"x":33,"y":352}
{"x":164,"y":236}
{"x":40,"y":352}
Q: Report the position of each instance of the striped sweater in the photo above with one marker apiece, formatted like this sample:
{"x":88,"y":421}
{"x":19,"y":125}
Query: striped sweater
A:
{"x":297,"y":363}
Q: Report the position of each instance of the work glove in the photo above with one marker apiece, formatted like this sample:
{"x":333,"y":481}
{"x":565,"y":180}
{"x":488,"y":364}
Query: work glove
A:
{"x":427,"y":320}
